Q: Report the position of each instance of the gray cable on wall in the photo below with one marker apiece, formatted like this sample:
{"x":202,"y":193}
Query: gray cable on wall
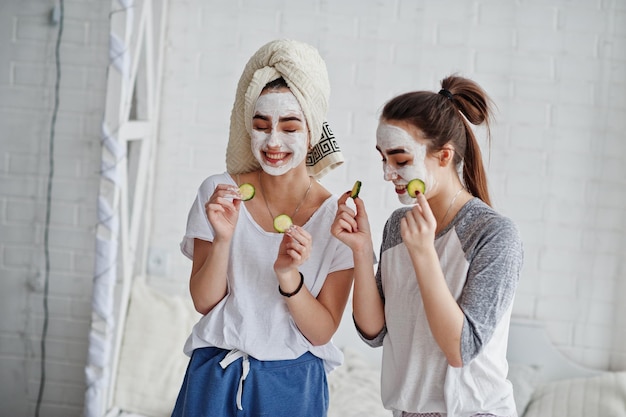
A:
{"x":57,"y":15}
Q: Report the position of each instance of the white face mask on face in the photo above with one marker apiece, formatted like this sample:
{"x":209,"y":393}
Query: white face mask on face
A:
{"x":393,"y":138}
{"x":277,"y":150}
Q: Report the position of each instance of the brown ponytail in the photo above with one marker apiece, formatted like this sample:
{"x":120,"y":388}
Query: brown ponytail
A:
{"x":443,"y":118}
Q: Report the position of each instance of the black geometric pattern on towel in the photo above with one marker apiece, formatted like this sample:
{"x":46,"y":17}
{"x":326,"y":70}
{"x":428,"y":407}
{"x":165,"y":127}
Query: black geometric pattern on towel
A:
{"x":324,"y":147}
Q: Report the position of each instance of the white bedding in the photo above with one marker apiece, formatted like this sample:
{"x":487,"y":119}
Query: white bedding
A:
{"x":152,"y":364}
{"x":602,"y":396}
{"x":354,"y":388}
{"x":546,"y":384}
{"x":354,"y":392}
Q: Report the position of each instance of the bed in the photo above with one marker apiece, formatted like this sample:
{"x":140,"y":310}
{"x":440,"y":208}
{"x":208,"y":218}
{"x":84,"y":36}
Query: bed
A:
{"x":545,"y":383}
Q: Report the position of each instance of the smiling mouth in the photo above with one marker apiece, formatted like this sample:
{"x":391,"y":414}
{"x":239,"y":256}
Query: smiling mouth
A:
{"x":400,"y":188}
{"x":275,"y":157}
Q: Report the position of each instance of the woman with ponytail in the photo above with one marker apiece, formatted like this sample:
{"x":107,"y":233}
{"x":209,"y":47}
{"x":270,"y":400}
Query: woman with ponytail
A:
{"x":440,"y":301}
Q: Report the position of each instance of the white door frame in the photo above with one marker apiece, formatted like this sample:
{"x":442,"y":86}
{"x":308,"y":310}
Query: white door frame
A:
{"x":129,"y":134}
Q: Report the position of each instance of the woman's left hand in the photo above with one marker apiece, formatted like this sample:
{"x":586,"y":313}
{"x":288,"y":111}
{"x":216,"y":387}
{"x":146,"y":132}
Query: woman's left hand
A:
{"x":418,"y":226}
{"x":294,"y":249}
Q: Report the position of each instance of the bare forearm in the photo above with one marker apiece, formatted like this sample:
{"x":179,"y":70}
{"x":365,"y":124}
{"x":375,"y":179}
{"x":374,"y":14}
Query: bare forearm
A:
{"x":318,"y":317}
{"x":312,"y":318}
{"x":367,"y":305}
{"x":208,"y":285}
{"x":445,"y":317}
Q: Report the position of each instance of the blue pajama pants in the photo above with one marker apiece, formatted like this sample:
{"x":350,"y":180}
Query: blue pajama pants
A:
{"x":220,"y":384}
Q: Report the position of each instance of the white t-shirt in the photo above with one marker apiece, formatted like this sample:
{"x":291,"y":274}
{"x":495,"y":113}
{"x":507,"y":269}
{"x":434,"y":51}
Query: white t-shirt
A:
{"x":253,"y":317}
{"x":481,"y":255}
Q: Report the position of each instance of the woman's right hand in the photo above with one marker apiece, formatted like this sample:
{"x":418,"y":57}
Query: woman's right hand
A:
{"x":350,"y":227}
{"x":222,"y":210}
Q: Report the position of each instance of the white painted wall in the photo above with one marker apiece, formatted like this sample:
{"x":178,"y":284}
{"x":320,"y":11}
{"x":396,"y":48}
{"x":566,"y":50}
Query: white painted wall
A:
{"x":556,"y":69}
{"x":27,"y":78}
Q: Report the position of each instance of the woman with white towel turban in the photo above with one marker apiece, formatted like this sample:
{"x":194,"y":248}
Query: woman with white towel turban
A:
{"x":271,"y":301}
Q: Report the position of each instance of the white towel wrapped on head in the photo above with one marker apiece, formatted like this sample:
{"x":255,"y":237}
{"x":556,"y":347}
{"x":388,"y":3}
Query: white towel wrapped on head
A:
{"x":304,"y":70}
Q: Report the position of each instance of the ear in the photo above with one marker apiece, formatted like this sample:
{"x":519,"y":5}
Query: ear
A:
{"x":446,"y":155}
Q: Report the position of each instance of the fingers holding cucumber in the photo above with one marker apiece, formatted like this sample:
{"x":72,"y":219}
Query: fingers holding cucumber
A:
{"x":414,"y":186}
{"x":356,"y":189}
{"x":282,"y":223}
{"x":247,"y":191}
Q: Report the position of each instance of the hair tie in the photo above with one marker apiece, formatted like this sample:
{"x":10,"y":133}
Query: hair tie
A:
{"x":446,"y":93}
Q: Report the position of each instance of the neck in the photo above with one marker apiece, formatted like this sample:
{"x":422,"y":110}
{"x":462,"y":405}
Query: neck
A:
{"x":449,"y":207}
{"x":283,"y":187}
{"x":284,"y":194}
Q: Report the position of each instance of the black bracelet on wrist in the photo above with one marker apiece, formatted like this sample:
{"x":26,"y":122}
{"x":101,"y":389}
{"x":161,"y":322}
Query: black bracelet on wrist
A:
{"x":291,"y":294}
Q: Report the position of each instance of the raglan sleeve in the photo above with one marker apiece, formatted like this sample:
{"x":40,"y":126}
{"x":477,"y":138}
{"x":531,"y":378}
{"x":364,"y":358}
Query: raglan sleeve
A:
{"x":491,"y":283}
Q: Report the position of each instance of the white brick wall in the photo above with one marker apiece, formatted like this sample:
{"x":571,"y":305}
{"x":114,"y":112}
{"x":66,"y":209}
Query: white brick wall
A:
{"x":556,"y":69}
{"x":27,"y":76}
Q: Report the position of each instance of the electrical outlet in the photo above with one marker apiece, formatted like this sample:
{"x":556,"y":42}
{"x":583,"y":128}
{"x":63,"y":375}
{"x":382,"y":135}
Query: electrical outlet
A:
{"x":158,"y":262}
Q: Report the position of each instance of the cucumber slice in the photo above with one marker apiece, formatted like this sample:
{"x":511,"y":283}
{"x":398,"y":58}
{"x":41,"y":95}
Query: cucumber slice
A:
{"x":282,"y":223}
{"x":414,"y":186}
{"x":356,"y":189}
{"x":247,"y":191}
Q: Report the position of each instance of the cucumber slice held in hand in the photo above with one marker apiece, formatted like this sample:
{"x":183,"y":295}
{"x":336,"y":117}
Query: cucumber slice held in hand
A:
{"x":356,"y":189}
{"x":247,"y":191}
{"x":282,"y":223}
{"x":414,"y":186}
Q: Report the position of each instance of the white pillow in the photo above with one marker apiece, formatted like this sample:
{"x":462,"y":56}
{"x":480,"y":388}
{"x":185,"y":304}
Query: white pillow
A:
{"x":354,"y":388}
{"x":597,"y":396}
{"x":524,"y":378}
{"x":152,"y":363}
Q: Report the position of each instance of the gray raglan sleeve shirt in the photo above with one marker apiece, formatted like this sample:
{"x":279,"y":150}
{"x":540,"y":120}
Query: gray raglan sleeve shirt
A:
{"x":492,"y":246}
{"x":495,"y":257}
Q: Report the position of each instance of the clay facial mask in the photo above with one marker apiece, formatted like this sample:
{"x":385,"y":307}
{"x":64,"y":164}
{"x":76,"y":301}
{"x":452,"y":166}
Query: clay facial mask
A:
{"x":277,"y":149}
{"x":392,"y":139}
